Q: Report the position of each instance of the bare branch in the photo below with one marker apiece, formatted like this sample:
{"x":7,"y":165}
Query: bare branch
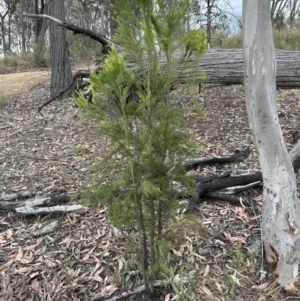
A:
{"x":106,"y":43}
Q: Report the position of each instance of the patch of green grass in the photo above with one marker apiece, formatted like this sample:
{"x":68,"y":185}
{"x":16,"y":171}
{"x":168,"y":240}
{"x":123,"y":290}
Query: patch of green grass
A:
{"x":239,"y":261}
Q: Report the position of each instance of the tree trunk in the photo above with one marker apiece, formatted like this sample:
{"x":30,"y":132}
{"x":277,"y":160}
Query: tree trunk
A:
{"x":40,"y":32}
{"x":112,"y":22}
{"x":61,"y":74}
{"x":280,"y":213}
{"x":23,"y":48}
{"x":3,"y":35}
{"x":208,"y":25}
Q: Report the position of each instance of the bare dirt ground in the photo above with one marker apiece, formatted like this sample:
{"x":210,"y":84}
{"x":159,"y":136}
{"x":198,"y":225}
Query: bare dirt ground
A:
{"x":84,"y":257}
{"x":17,"y":83}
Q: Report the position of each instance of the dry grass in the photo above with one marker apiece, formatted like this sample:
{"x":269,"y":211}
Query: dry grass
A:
{"x":283,"y":39}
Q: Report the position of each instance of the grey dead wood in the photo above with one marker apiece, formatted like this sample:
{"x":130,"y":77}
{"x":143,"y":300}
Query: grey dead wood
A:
{"x":40,"y":204}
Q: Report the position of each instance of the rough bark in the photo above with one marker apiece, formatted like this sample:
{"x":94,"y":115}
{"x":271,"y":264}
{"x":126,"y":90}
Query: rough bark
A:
{"x":112,"y":19}
{"x":40,"y":32}
{"x":61,"y":74}
{"x":280,"y":213}
{"x":3,"y":37}
{"x":23,"y":46}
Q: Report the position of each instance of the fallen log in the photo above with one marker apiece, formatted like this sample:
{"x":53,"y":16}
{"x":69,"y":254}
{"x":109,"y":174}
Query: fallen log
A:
{"x":222,"y":67}
{"x":226,"y":67}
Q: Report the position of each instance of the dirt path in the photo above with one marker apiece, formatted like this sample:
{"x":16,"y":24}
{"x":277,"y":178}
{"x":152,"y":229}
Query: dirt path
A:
{"x":17,"y":83}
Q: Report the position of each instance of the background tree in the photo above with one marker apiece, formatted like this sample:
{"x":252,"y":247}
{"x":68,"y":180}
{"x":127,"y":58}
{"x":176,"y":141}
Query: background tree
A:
{"x":293,"y":9}
{"x":93,"y":15}
{"x":61,"y":73}
{"x":281,"y":212}
{"x":277,"y":13}
{"x":7,"y":10}
{"x":41,"y":26}
{"x":284,"y":13}
{"x":112,"y":18}
{"x":22,"y":27}
{"x":213,"y":15}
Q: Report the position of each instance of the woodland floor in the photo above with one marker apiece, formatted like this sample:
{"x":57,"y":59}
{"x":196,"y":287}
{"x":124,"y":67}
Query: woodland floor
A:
{"x":84,"y":258}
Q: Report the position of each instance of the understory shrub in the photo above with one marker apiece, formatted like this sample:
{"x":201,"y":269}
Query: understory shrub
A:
{"x":150,"y":140}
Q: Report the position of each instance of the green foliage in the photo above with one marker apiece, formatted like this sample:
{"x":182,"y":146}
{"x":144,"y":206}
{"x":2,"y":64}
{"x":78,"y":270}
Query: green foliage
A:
{"x":195,"y":41}
{"x":176,"y":284}
{"x":136,"y":179}
{"x":239,"y":260}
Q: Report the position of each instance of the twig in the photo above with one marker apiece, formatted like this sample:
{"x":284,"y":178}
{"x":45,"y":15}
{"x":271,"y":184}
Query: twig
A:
{"x":5,"y":127}
{"x":140,"y":289}
{"x":78,"y":74}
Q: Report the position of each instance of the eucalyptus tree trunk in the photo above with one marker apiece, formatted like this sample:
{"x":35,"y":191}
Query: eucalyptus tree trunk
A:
{"x":40,"y":32}
{"x":23,"y":47}
{"x":112,"y":22}
{"x":281,"y":212}
{"x":2,"y":24}
{"x":61,"y":74}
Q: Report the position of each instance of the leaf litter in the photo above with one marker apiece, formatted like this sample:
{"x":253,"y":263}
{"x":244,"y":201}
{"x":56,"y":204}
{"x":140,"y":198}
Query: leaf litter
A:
{"x":85,"y":256}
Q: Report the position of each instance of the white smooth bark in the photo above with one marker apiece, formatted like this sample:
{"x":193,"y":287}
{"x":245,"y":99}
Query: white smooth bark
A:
{"x":280,"y":214}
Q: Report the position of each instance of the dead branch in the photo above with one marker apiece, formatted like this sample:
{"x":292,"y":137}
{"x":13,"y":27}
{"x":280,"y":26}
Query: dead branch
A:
{"x":141,"y":288}
{"x":55,"y":209}
{"x":238,"y":156}
{"x":39,"y":204}
{"x":80,"y":74}
{"x":105,"y":42}
{"x":19,"y":195}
